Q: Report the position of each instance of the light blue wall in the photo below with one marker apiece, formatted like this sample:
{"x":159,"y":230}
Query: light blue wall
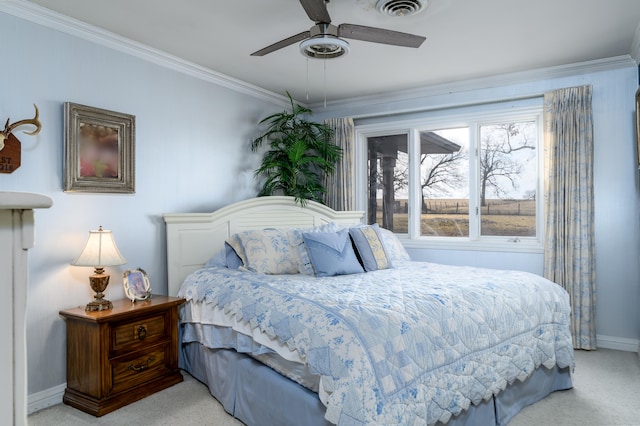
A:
{"x":617,"y":194}
{"x":192,"y":141}
{"x":191,"y":155}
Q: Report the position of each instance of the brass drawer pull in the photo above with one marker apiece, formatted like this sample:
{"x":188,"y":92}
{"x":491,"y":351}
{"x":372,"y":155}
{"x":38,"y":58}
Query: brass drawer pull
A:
{"x":141,"y":367}
{"x":142,"y":332}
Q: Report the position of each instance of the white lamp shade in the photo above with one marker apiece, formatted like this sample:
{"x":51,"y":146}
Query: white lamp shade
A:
{"x":100,"y":250}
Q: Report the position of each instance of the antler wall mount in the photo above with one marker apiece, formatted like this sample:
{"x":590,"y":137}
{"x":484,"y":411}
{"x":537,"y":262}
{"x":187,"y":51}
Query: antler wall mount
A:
{"x":10,"y":151}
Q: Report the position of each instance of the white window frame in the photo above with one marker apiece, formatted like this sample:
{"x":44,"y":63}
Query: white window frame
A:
{"x":487,"y":115}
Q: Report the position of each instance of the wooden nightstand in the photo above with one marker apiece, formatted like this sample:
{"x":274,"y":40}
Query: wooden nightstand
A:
{"x":121,"y":355}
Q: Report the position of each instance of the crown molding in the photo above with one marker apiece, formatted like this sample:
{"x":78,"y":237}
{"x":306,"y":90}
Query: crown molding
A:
{"x":48,"y":18}
{"x":501,"y":80}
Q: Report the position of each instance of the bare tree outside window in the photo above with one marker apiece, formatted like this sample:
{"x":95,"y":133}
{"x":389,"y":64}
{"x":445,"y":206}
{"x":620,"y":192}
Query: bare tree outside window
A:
{"x":497,"y":200}
{"x":444,"y":171}
{"x":443,"y":165}
{"x":508,"y":176}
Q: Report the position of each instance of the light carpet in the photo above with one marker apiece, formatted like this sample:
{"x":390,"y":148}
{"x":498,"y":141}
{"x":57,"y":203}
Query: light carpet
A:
{"x":606,"y":392}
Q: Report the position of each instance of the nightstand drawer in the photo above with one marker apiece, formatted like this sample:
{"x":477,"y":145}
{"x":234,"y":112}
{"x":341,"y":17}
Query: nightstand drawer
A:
{"x":139,"y":367}
{"x":142,"y":330}
{"x":121,"y":355}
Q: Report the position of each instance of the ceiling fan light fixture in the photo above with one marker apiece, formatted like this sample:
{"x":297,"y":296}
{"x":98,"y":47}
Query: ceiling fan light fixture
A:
{"x":324,"y":47}
{"x":326,"y":41}
{"x":400,"y":8}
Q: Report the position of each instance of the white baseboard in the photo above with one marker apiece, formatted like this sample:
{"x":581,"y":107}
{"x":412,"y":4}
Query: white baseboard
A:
{"x":53,"y":396}
{"x":46,"y":398}
{"x":618,"y":343}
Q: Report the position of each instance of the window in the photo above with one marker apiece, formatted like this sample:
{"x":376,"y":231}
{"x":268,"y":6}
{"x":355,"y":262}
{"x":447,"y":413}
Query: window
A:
{"x":466,"y":179}
{"x":508,"y":179}
{"x":388,"y":170}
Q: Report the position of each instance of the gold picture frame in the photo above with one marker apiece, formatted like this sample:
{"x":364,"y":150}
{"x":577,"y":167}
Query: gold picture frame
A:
{"x":136,"y":284}
{"x":99,"y":150}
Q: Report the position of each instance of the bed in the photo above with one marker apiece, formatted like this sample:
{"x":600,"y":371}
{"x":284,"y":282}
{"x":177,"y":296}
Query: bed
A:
{"x":284,"y":329}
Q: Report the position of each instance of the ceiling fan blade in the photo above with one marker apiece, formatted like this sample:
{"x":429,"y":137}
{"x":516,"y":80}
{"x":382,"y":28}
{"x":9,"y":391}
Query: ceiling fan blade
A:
{"x":316,"y":10}
{"x":282,"y":43}
{"x":379,"y":35}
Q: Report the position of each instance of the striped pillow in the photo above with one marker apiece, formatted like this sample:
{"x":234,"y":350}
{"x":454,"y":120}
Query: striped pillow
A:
{"x":370,"y":247}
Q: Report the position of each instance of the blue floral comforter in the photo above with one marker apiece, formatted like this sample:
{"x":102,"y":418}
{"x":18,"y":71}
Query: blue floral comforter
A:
{"x":411,"y":345}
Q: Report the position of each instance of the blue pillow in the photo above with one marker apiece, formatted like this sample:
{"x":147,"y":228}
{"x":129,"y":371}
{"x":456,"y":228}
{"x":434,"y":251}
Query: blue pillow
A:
{"x":225,"y":258}
{"x":331,"y":253}
{"x":304,"y":263}
{"x":370,"y":246}
{"x":232,"y":259}
{"x":219,"y":260}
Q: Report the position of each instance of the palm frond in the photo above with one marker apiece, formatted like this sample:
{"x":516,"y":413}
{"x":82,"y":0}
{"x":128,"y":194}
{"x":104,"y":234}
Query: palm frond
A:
{"x":300,"y":153}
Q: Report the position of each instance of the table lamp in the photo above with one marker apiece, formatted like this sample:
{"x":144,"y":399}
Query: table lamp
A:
{"x":100,"y":251}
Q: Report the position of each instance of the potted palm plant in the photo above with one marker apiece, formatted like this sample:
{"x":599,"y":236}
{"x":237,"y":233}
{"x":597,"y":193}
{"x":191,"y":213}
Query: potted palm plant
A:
{"x":300,"y":152}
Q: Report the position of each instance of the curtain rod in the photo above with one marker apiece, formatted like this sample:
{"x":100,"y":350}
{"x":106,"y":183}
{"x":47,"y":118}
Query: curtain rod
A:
{"x":530,"y":95}
{"x":446,"y":106}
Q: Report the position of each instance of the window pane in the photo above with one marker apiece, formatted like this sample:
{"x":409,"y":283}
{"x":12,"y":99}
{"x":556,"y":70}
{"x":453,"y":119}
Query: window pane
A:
{"x":444,"y":182}
{"x":388,"y":173}
{"x":508,"y":177}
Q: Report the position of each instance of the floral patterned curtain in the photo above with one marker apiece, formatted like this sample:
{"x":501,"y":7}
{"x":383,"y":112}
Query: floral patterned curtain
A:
{"x":339,"y":195}
{"x":569,"y":255}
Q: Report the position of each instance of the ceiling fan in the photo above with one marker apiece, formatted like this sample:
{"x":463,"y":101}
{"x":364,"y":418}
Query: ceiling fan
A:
{"x":325,"y":41}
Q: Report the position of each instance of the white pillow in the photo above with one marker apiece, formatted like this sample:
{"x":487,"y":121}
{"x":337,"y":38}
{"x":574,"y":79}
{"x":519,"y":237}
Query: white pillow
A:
{"x":395,"y":249}
{"x":267,"y":251}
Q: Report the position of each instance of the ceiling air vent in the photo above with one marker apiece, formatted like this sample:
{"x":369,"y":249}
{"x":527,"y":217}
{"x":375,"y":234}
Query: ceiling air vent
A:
{"x":400,"y":7}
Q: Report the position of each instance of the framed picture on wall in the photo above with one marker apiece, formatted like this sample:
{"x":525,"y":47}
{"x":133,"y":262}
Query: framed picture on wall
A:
{"x":99,"y":150}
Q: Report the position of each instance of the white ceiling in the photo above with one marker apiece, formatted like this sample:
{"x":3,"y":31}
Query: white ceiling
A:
{"x":465,"y":39}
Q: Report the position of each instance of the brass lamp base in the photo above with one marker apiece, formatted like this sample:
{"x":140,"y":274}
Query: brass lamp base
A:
{"x":99,"y":282}
{"x":98,"y":305}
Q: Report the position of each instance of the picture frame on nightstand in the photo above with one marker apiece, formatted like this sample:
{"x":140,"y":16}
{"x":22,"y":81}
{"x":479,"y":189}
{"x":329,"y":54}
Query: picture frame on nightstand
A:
{"x":136,"y":284}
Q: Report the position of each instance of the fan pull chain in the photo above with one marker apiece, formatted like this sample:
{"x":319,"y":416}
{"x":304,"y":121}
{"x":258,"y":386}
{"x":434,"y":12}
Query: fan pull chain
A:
{"x":325,"y":82}
{"x":307,"y":84}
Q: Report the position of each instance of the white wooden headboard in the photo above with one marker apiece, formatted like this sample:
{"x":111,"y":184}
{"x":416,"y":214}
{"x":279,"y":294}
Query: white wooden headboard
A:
{"x":193,"y":238}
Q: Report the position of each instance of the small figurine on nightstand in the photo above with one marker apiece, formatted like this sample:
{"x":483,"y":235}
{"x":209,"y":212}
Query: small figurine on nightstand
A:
{"x":136,"y":285}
